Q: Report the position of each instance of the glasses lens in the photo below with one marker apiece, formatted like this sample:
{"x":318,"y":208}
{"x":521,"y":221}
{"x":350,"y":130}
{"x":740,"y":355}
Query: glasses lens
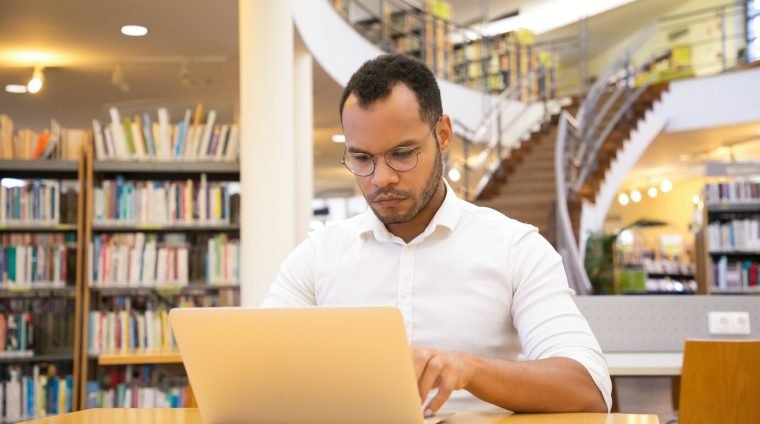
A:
{"x":401,"y":159}
{"x":358,"y":163}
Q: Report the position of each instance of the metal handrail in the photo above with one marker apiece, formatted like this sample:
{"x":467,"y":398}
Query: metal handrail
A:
{"x":566,"y":246}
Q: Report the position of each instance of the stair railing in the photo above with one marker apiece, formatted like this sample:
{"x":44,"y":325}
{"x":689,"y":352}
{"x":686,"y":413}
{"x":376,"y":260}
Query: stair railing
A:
{"x":612,"y":96}
{"x":473,"y":162}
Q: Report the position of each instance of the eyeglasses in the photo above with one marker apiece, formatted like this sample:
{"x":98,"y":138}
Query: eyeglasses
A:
{"x":401,"y":159}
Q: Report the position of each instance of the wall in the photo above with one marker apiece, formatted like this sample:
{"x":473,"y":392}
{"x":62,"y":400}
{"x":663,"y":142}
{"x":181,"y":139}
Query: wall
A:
{"x":675,"y":208}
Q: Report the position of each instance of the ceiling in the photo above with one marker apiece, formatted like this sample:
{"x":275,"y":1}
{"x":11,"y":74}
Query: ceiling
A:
{"x":79,"y":43}
{"x":682,"y":154}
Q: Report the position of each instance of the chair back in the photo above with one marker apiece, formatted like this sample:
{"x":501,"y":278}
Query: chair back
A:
{"x":720,"y":382}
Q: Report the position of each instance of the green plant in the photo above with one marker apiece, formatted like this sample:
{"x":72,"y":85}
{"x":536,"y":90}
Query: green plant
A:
{"x":599,"y":251}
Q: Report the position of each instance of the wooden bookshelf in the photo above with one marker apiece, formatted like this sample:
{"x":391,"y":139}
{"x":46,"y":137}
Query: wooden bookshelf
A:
{"x":50,"y":357}
{"x":721,"y":212}
{"x":36,"y":289}
{"x":140,"y":358}
{"x":166,"y":168}
{"x":98,"y":297}
{"x":167,"y":289}
{"x":64,"y":352}
{"x":119,"y":228}
{"x":37,"y":228}
{"x":16,"y":167}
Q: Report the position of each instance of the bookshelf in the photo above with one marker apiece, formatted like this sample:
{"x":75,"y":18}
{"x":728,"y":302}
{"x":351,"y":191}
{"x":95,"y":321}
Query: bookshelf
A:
{"x":40,"y":274}
{"x":732,"y":237}
{"x":503,"y":61}
{"x":160,"y":232}
{"x":140,"y":358}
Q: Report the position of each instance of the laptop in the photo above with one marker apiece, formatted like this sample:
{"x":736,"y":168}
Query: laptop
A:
{"x":299,"y":366}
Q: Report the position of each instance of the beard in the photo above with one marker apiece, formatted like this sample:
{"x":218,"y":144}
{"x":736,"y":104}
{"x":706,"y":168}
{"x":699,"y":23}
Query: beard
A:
{"x":420,"y":199}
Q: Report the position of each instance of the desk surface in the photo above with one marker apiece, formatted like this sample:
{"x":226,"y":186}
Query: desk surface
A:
{"x":645,"y":363}
{"x":191,"y":416}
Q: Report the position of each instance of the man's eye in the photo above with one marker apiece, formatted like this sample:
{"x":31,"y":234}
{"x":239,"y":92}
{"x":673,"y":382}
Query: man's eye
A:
{"x":361,"y":158}
{"x":402,"y":154}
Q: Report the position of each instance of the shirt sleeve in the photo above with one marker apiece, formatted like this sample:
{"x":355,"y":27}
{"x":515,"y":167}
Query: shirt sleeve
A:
{"x":294,"y":284}
{"x":545,"y":315}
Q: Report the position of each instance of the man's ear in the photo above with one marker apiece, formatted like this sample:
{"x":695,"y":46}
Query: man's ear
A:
{"x":444,"y":133}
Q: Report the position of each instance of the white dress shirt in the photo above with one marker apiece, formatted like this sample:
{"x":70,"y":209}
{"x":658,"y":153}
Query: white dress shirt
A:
{"x":474,"y":281}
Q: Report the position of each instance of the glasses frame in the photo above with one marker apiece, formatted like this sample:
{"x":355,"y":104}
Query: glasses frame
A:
{"x":417,"y":152}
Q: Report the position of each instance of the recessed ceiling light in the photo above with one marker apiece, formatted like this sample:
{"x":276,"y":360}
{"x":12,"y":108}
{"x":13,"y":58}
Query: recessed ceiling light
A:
{"x":15,"y":88}
{"x":666,"y":186}
{"x":339,"y":138}
{"x":636,"y":196}
{"x":623,"y":199}
{"x":652,"y":192}
{"x":134,"y":30}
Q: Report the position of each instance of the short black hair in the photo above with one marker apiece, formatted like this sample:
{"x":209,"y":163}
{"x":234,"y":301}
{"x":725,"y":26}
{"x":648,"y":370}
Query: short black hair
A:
{"x":375,"y":79}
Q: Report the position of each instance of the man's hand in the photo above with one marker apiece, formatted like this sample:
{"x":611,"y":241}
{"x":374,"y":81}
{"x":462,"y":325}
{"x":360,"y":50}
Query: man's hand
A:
{"x":446,"y":371}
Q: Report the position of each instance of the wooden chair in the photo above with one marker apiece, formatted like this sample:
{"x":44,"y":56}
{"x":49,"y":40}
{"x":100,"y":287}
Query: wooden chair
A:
{"x":720,"y":382}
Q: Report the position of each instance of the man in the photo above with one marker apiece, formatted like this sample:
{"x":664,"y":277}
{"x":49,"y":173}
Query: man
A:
{"x":474,"y":287}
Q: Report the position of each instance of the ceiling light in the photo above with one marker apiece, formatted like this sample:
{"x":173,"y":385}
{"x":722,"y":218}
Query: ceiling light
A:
{"x":15,"y":88}
{"x":636,"y":196}
{"x":134,"y":30}
{"x":665,"y":186}
{"x":695,"y":199}
{"x":454,"y":174}
{"x":339,"y":138}
{"x":652,"y":192}
{"x":623,"y":199}
{"x":35,"y":84}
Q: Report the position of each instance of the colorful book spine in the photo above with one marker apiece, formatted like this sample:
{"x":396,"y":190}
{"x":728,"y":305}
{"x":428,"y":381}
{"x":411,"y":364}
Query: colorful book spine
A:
{"x":142,"y":137}
{"x":28,"y":202}
{"x":138,"y":260}
{"x":162,"y":202}
{"x":142,"y":386}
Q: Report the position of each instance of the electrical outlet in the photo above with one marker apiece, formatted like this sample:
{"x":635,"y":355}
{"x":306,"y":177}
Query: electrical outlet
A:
{"x":728,"y":322}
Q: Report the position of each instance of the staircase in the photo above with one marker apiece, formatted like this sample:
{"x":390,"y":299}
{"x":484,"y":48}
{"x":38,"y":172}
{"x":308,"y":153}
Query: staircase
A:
{"x":620,"y":132}
{"x":524,"y":187}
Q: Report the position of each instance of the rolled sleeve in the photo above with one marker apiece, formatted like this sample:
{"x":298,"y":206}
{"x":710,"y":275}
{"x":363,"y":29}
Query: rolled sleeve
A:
{"x":546,"y":317}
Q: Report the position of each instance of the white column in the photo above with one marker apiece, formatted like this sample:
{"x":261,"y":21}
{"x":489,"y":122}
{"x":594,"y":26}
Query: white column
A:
{"x":304,"y":141}
{"x":267,"y":161}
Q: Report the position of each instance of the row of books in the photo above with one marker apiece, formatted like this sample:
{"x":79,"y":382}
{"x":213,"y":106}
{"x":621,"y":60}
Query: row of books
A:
{"x":25,"y":264}
{"x":138,"y":260}
{"x":129,"y":330}
{"x":162,"y":202}
{"x":735,"y":275}
{"x":741,"y":235}
{"x":732,"y":192}
{"x":52,"y":143}
{"x":16,"y":333}
{"x":31,"y":395}
{"x":223,"y":263}
{"x":143,"y":137}
{"x":30,"y":201}
{"x":143,"y":386}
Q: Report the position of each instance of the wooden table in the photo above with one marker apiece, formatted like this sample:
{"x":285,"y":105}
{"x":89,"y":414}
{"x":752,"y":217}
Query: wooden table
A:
{"x":192,"y":416}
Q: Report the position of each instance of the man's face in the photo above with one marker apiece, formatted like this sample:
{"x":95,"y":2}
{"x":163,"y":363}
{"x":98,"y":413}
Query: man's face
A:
{"x":395,"y":197}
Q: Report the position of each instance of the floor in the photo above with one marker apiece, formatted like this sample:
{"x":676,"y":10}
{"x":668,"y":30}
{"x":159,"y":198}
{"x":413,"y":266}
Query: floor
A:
{"x":646,"y":395}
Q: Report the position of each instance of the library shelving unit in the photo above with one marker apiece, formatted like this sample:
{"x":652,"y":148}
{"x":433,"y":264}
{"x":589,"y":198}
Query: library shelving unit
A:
{"x":41,"y":251}
{"x":503,"y":61}
{"x":731,"y":237}
{"x":147,"y":300}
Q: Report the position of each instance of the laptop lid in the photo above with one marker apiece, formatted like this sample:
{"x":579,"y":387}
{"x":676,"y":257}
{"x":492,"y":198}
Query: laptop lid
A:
{"x":298,"y":366}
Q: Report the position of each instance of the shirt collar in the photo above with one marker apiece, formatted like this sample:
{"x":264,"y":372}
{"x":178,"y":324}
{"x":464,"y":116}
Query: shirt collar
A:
{"x":447,"y":216}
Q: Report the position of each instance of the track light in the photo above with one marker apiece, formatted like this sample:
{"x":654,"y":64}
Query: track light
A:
{"x":35,"y":84}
